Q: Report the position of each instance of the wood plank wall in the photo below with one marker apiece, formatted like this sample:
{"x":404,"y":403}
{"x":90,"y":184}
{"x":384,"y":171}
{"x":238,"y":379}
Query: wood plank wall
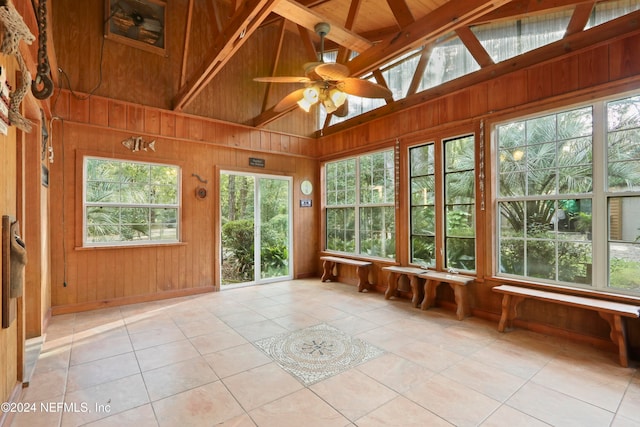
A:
{"x":91,"y":62}
{"x":9,"y":206}
{"x":599,"y":71}
{"x":96,"y":277}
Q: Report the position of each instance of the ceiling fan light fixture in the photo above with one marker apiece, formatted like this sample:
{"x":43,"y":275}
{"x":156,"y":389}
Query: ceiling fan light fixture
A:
{"x":328,"y":105}
{"x":338,"y":97}
{"x":310,"y":97}
{"x":305,"y":105}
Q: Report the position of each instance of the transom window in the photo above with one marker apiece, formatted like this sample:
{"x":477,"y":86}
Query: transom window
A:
{"x":127,"y":202}
{"x":569,"y":195}
{"x":360,"y":205}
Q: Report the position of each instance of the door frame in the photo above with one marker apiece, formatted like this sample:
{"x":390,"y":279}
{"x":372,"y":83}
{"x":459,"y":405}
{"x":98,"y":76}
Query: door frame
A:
{"x":218,"y":226}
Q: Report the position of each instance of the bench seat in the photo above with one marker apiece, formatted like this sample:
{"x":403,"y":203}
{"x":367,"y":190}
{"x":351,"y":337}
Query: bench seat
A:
{"x":457,"y":282}
{"x":397,"y":271}
{"x":362,"y":269}
{"x":611,"y":311}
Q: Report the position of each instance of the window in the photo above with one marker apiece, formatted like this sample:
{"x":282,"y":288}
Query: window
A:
{"x":504,"y":40}
{"x":459,"y":202}
{"x":423,"y":205}
{"x":605,"y":11}
{"x":128,"y":202}
{"x":360,"y":205}
{"x":449,"y":59}
{"x":623,"y":185}
{"x":558,"y":184}
{"x":456,"y":195}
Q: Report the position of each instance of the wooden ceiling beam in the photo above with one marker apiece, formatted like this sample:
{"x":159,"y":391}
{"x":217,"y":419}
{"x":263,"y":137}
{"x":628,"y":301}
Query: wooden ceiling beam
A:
{"x":422,"y":65}
{"x":274,"y":67}
{"x":308,"y":18}
{"x":580,"y":18}
{"x":476,"y":49}
{"x":447,"y":18}
{"x":401,"y":12}
{"x":187,"y":38}
{"x":242,"y":24}
{"x":354,"y":8}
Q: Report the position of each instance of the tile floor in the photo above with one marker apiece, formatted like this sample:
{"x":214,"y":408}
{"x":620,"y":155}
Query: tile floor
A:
{"x":192,"y":362}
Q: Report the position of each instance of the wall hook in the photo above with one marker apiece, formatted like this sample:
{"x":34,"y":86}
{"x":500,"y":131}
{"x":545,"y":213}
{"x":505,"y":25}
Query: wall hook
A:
{"x":204,"y":181}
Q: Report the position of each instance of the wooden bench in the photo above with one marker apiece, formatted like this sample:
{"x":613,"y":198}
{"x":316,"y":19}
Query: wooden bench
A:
{"x":610,"y":311}
{"x":362,"y":269}
{"x":395,"y":273}
{"x":458,"y":283}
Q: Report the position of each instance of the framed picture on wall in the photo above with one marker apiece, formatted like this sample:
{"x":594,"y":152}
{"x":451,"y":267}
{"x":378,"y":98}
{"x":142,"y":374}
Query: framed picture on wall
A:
{"x":137,"y":23}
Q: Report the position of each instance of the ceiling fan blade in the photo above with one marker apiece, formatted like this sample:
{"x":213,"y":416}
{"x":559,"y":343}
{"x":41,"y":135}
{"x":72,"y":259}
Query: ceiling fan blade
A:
{"x":332,"y":71}
{"x":363,"y":88}
{"x":310,"y":70}
{"x":284,"y":79}
{"x":342,"y":110}
{"x":289,"y":100}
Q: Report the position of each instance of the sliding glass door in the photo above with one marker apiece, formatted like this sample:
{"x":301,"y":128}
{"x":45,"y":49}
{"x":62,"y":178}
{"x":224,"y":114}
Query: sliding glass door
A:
{"x":256,"y":228}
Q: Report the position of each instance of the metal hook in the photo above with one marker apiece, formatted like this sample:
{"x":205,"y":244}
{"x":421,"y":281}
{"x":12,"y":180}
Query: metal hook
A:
{"x":47,"y":87}
{"x":204,"y":181}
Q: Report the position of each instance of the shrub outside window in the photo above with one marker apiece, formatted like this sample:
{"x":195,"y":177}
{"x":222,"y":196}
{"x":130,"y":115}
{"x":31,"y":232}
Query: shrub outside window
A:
{"x":360,"y":205}
{"x":130,"y":203}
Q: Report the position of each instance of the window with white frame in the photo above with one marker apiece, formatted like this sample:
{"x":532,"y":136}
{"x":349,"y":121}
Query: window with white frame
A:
{"x":568,"y":196}
{"x":360,"y":205}
{"x":451,"y":203}
{"x":130,"y":203}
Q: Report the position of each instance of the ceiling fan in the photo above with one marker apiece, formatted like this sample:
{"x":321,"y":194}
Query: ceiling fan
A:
{"x":325,"y":83}
{"x":139,"y":20}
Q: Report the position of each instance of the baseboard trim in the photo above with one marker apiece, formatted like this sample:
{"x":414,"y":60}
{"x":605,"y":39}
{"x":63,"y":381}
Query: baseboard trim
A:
{"x":117,"y":302}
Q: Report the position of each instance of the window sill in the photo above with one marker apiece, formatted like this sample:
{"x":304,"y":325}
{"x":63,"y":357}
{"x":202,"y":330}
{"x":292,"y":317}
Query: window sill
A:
{"x":139,"y":246}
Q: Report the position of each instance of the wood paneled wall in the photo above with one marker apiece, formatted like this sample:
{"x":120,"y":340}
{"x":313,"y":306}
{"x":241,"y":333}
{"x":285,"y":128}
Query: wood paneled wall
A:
{"x":109,"y":68}
{"x":98,"y":276}
{"x":602,"y":70}
{"x":9,"y":181}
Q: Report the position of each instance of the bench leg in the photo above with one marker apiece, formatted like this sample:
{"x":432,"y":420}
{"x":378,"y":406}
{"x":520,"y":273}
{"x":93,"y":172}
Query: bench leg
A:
{"x":327,"y":273}
{"x":415,"y":290}
{"x":509,"y":311}
{"x":618,"y":335}
{"x":462,"y":300}
{"x":363,"y":278}
{"x":392,"y":285}
{"x":430,"y":287}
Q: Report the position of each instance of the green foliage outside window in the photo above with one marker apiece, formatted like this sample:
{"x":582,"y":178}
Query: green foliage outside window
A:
{"x":360,"y":198}
{"x":547,"y":190}
{"x":130,"y":201}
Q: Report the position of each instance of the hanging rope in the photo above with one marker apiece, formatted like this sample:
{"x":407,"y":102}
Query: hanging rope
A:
{"x":15,"y":30}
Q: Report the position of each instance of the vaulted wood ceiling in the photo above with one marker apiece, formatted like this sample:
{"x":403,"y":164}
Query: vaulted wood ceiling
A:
{"x":378,"y":30}
{"x":215,"y":48}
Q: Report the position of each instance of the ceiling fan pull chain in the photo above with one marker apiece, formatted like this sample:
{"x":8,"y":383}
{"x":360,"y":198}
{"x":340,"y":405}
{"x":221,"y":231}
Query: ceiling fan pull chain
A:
{"x":43,"y":75}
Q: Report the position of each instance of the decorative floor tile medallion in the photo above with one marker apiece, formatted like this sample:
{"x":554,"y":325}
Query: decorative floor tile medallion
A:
{"x":317,"y":352}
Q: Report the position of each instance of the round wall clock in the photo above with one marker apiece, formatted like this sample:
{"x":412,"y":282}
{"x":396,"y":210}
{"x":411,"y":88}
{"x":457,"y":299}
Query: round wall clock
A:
{"x":306,"y":187}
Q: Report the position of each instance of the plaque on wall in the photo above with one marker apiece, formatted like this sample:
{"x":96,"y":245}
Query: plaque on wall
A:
{"x":137,"y":23}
